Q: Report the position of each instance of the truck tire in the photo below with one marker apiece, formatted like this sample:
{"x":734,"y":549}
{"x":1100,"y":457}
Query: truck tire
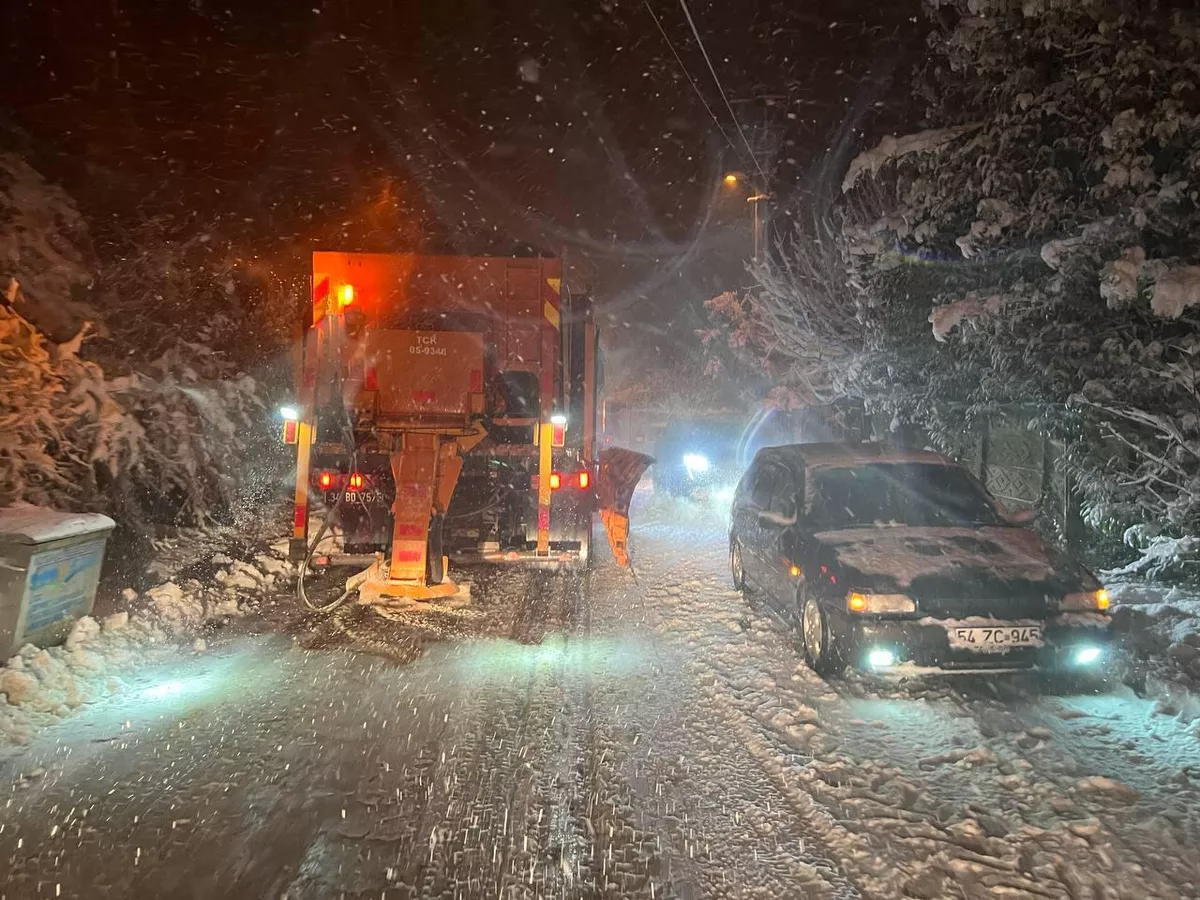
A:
{"x":435,"y":570}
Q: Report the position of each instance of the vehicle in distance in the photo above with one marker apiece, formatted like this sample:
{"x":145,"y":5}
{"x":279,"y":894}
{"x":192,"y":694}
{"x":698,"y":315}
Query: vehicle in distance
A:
{"x":697,"y":457}
{"x":884,"y":558}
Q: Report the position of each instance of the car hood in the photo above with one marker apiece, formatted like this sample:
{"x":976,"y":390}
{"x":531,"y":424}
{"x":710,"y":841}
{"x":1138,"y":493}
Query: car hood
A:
{"x":940,"y":562}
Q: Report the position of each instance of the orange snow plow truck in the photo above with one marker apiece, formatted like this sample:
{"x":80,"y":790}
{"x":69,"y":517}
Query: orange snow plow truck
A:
{"x":448,"y":409}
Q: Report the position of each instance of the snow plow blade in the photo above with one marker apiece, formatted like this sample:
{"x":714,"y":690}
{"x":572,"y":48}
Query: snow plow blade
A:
{"x":620,"y":472}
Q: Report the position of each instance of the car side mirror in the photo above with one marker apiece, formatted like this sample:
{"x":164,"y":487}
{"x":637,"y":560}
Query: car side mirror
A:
{"x":1022,"y":516}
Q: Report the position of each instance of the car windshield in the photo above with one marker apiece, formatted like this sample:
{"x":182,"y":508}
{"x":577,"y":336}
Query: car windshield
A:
{"x":916,"y":494}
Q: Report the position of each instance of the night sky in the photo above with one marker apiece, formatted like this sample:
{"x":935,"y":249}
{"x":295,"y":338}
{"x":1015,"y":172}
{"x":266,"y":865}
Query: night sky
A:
{"x":457,"y":125}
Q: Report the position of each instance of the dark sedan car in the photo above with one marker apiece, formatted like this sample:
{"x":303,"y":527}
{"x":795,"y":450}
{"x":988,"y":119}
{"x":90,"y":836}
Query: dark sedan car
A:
{"x":883,"y":558}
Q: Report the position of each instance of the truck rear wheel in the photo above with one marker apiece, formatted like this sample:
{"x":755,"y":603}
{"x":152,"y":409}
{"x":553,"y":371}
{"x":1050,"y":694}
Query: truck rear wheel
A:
{"x":435,"y":568}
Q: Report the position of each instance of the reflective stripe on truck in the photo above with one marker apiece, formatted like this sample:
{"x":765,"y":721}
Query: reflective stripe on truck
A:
{"x":545,"y":463}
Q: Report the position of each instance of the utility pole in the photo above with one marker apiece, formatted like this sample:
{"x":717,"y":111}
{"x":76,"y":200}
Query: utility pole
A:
{"x":759,"y":197}
{"x":760,"y":222}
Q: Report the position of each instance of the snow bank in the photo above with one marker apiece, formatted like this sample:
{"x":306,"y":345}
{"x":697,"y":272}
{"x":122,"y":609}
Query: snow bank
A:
{"x":1162,"y":624}
{"x":39,"y":686}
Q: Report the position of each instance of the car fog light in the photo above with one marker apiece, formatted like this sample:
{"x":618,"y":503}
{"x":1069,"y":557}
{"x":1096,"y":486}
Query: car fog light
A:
{"x":1085,"y":656}
{"x":881,"y":659}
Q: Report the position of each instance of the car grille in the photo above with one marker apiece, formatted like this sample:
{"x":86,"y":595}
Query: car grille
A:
{"x":1020,"y":606}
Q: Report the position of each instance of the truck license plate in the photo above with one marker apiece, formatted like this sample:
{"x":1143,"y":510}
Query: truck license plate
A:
{"x":370,"y":498}
{"x":1000,"y":637}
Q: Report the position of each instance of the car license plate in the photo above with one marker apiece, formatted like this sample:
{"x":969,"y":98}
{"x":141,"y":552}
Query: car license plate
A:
{"x":370,"y":498}
{"x":1000,"y":637}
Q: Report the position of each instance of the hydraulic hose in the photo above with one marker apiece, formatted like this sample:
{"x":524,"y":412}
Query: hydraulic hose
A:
{"x":496,"y":500}
{"x":312,"y":550}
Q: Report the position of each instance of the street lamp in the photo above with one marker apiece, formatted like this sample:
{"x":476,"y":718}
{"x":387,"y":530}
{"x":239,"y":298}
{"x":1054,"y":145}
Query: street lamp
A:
{"x":760,"y":196}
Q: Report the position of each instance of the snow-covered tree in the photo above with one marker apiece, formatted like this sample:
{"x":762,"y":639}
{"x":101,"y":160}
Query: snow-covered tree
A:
{"x":110,"y":401}
{"x":800,"y":326}
{"x":1033,"y":243}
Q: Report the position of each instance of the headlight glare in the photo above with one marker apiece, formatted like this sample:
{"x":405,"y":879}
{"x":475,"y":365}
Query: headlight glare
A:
{"x":876,"y":604}
{"x":1086,"y":601}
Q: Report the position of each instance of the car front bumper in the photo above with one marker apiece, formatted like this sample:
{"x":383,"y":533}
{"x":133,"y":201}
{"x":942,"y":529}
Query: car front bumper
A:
{"x":926,"y":643}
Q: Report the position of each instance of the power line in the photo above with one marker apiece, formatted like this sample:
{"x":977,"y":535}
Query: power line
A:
{"x":687,"y":12}
{"x":691,"y":80}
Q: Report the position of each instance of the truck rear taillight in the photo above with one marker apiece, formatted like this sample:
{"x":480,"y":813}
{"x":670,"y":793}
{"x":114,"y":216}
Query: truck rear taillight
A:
{"x":371,"y":380}
{"x":325,"y":480}
{"x":356,"y":481}
{"x":558,"y":480}
{"x":291,"y":431}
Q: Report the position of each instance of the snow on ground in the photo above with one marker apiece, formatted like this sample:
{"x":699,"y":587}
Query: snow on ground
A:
{"x":656,"y":738}
{"x":40,"y":686}
{"x":943,"y":788}
{"x":1161,"y":624}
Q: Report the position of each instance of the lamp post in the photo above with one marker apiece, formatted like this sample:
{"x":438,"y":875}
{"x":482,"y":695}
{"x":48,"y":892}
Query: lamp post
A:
{"x":760,"y":196}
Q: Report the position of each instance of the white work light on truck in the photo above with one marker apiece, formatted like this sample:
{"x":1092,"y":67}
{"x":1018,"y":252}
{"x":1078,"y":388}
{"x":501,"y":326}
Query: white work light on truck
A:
{"x":291,"y":423}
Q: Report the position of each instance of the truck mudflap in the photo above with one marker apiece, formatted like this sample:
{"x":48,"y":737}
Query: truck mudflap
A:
{"x":620,"y":472}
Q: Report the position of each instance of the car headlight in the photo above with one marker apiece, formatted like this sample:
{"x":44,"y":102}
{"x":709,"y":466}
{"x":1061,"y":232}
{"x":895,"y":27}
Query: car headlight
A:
{"x":872,"y":604}
{"x":696,"y":462}
{"x":1086,"y":601}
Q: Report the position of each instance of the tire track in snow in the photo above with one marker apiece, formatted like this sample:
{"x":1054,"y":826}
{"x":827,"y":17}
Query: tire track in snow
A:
{"x":768,"y":843}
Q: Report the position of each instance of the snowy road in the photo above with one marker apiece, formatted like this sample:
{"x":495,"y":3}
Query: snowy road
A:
{"x":658,"y":739}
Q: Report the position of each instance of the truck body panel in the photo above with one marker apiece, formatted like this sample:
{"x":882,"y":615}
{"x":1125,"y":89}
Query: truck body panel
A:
{"x":452,"y":408}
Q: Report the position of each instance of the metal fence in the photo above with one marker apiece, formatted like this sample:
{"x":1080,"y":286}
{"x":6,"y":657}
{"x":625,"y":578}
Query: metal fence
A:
{"x":1021,"y":468}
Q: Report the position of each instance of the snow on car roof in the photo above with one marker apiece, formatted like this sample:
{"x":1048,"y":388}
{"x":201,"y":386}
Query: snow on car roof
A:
{"x":841,"y":456}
